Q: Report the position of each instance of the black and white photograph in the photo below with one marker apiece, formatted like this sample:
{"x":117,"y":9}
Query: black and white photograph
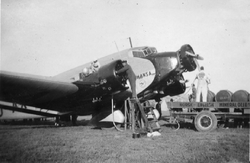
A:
{"x":117,"y":81}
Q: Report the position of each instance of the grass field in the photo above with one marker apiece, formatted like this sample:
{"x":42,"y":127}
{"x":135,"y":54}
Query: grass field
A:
{"x":46,"y":143}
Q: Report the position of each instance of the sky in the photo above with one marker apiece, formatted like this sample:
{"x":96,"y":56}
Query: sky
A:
{"x":51,"y":36}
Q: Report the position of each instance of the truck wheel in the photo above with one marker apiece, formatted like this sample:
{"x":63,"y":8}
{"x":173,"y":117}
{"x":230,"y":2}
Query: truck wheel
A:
{"x":205,"y":121}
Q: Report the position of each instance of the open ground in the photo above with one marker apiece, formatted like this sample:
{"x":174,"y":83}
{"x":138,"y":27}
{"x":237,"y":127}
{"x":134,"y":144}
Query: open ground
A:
{"x":46,"y":143}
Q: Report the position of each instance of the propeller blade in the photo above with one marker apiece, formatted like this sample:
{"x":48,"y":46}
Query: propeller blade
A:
{"x":197,"y":64}
{"x":197,"y":56}
{"x":190,"y":54}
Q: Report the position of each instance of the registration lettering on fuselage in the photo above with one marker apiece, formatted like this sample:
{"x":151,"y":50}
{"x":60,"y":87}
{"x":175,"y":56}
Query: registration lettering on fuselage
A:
{"x":146,"y":74}
{"x":143,"y":80}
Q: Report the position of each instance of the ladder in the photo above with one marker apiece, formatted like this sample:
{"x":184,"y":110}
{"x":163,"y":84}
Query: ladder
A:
{"x":139,"y":120}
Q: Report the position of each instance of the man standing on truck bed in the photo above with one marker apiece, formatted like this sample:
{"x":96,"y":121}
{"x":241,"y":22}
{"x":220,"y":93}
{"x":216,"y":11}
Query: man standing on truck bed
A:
{"x":202,"y":87}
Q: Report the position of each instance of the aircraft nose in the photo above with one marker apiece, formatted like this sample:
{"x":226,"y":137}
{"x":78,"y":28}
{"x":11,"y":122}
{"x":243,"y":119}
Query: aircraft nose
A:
{"x":188,"y":58}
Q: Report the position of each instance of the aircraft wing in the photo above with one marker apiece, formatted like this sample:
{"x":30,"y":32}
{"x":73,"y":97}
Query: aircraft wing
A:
{"x":32,"y":90}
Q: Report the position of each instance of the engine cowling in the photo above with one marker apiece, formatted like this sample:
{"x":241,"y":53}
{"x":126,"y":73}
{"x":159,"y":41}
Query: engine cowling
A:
{"x":109,"y":80}
{"x":187,"y":61}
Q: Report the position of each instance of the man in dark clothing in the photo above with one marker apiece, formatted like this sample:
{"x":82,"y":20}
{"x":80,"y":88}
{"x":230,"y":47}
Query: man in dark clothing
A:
{"x":131,"y":77}
{"x":193,"y":92}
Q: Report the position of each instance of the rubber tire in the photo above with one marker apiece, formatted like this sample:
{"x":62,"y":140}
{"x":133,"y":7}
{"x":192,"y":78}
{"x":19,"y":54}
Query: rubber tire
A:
{"x":212,"y":120}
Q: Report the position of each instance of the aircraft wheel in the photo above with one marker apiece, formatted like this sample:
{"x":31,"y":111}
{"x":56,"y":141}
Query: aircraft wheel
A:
{"x":205,"y":121}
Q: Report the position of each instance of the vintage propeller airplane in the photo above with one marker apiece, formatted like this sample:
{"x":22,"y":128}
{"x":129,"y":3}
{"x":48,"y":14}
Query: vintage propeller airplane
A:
{"x":87,"y":90}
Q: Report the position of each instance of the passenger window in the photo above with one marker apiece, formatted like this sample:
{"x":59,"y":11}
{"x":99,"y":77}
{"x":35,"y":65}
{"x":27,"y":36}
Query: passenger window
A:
{"x":138,"y":54}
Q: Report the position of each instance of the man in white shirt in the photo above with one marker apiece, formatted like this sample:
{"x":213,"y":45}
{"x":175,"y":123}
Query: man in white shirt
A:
{"x":202,"y":87}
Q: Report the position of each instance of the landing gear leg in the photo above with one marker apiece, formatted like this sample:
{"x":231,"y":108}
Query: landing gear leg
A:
{"x":158,"y":107}
{"x":74,"y":119}
{"x":57,"y":123}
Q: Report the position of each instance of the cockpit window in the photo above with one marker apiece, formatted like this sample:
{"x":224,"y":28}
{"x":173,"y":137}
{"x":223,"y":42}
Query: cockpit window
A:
{"x":139,"y":54}
{"x":144,"y":52}
{"x":153,"y":50}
